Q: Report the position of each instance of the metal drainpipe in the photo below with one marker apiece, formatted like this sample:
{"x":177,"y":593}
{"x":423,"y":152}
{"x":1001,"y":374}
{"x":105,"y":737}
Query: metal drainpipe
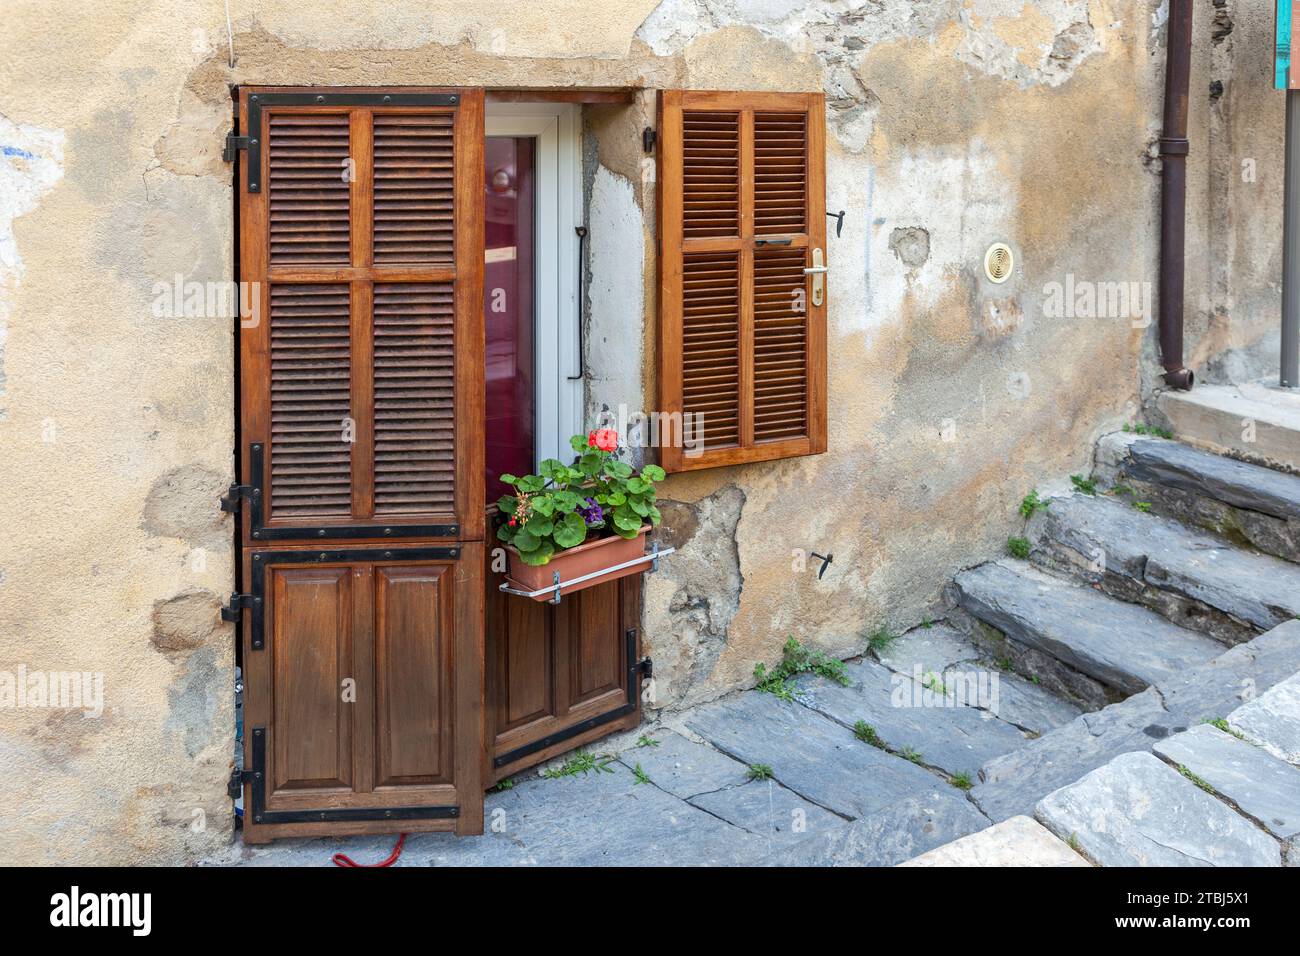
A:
{"x":1173,"y":192}
{"x":1290,"y":365}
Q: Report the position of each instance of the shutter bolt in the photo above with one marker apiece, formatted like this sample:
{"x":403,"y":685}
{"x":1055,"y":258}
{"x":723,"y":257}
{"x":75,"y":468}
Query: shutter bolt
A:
{"x":320,"y":99}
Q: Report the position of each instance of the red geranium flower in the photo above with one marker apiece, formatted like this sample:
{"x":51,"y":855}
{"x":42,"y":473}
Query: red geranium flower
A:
{"x":606,"y":439}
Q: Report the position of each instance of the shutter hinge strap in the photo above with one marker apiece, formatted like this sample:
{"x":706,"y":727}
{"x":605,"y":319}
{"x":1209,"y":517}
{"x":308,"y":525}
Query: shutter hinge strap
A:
{"x":647,"y":668}
{"x":233,"y":144}
{"x":648,"y":139}
{"x":230,"y":500}
{"x":237,"y":603}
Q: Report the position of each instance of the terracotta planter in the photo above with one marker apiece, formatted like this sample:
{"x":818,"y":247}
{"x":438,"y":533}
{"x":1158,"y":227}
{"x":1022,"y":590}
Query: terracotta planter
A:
{"x":586,"y":558}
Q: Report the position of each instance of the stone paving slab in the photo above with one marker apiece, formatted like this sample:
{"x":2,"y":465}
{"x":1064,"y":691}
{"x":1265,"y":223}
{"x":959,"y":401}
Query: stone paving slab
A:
{"x":604,"y":819}
{"x":769,"y":810}
{"x":685,"y":768}
{"x":1233,"y":482}
{"x":1261,"y":590}
{"x":1272,"y":720}
{"x":951,"y":737}
{"x":1019,"y":702}
{"x":1013,"y":783}
{"x":889,"y":836}
{"x":1122,"y":645}
{"x":1018,"y":841}
{"x":1137,"y":811}
{"x":931,"y":649}
{"x":1264,"y":788}
{"x":814,"y":756}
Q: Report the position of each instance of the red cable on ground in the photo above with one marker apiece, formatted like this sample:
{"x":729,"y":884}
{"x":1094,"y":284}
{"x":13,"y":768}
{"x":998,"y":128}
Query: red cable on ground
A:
{"x":342,"y":859}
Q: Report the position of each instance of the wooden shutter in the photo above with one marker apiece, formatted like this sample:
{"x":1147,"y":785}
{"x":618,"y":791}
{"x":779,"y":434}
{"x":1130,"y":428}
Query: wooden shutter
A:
{"x":742,"y":337}
{"x":361,"y":415}
{"x":361,"y":238}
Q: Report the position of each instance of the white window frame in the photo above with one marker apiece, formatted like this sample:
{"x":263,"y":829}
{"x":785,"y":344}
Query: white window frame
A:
{"x":558,"y":401}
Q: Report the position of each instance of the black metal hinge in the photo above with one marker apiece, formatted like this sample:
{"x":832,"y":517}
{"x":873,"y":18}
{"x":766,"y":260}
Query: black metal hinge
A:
{"x":235,"y":786}
{"x":648,"y":139}
{"x":237,"y":603}
{"x":230,"y":500}
{"x":234,"y":144}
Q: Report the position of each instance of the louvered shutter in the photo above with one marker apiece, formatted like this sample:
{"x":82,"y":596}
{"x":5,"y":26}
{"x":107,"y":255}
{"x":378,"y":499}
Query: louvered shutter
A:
{"x":361,"y":237}
{"x":742,"y":343}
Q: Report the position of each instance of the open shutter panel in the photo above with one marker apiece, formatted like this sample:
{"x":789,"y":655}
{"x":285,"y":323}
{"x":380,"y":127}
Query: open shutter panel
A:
{"x":361,"y":233}
{"x":742,"y":344}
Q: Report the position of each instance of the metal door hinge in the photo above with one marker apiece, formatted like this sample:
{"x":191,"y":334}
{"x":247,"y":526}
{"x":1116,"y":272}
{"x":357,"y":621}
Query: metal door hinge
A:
{"x":647,"y":668}
{"x":234,"y":144}
{"x":648,"y":139}
{"x":237,"y":603}
{"x":235,"y":786}
{"x":230,"y":500}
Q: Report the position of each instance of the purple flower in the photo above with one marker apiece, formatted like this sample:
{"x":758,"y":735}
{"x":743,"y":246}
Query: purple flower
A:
{"x":593,"y":514}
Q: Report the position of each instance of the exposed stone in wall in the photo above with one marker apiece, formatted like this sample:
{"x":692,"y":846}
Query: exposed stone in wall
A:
{"x":187,"y":621}
{"x":694,"y":596}
{"x":911,"y":244}
{"x":183,"y":503}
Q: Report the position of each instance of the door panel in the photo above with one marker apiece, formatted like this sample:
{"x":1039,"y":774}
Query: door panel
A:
{"x":414,"y":667}
{"x":311,"y":655}
{"x":560,"y":676}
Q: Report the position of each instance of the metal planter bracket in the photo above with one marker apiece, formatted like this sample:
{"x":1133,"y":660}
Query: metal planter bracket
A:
{"x":651,"y":558}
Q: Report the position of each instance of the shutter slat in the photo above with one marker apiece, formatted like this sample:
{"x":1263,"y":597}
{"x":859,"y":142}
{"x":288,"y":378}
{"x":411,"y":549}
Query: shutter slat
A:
{"x":311,"y":396}
{"x":414,"y":426}
{"x":309,"y":197}
{"x":414,"y":159}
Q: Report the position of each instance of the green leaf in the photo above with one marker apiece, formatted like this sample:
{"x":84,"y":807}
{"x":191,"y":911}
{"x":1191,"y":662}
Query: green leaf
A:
{"x":530,"y":483}
{"x":544,"y":505}
{"x":627,"y":522}
{"x":628,"y":532}
{"x":505,"y":533}
{"x":565,"y":500}
{"x":640,"y":507}
{"x":655,"y":515}
{"x":636,"y":486}
{"x":551,"y":467}
{"x":525,"y":540}
{"x":590,"y":463}
{"x":539,"y":555}
{"x":653,"y":473}
{"x":617,"y":498}
{"x":507,"y":504}
{"x":578,"y":443}
{"x":570,"y":531}
{"x":509,"y":479}
{"x":619,"y":469}
{"x":540,"y":526}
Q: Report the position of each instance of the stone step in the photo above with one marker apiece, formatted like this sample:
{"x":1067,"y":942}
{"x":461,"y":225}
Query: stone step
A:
{"x":1191,"y":577}
{"x":941,"y":649}
{"x":932,"y":723}
{"x":1012,"y":784}
{"x":1019,"y":841}
{"x":1139,"y":811}
{"x":1255,"y":421}
{"x":1122,"y":646}
{"x":1248,"y":504}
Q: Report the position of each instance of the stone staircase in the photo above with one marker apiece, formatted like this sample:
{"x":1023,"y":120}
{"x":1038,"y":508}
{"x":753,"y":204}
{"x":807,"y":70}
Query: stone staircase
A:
{"x":1167,"y":600}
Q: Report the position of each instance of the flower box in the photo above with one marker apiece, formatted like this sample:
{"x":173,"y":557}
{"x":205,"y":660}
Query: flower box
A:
{"x":578,"y":568}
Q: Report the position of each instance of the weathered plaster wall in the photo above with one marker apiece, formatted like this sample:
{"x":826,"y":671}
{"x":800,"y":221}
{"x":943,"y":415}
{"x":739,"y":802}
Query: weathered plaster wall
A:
{"x":954,"y":123}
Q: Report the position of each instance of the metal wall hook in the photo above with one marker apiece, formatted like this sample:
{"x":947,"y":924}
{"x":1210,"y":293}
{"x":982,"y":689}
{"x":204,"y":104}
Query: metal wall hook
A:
{"x":826,"y":559}
{"x":839,"y":221}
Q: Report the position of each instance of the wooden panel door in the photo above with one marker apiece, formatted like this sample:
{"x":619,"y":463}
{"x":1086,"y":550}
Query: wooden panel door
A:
{"x":363,"y":691}
{"x":361,"y":418}
{"x":560,"y":676}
